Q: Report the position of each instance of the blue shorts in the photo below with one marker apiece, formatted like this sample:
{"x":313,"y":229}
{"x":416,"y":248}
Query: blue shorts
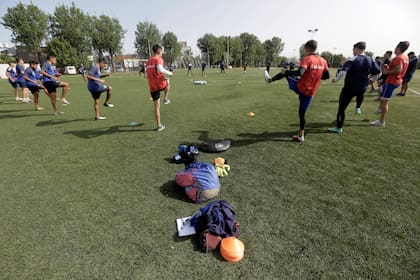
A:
{"x":387,"y":91}
{"x":14,"y":84}
{"x":21,"y":83}
{"x":407,"y":78}
{"x":51,"y":86}
{"x":96,"y":93}
{"x":304,"y":100}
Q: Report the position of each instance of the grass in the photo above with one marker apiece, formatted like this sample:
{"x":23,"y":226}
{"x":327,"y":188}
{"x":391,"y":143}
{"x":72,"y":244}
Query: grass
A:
{"x":81,"y":199}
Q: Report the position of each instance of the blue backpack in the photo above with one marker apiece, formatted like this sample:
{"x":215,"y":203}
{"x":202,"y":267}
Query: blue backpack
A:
{"x":213,"y":223}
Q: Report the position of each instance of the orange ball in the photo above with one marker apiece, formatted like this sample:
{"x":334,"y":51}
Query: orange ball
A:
{"x":232,"y":249}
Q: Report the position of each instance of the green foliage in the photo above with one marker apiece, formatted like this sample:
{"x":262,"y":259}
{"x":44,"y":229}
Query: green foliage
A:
{"x":65,"y":53}
{"x":28,"y":25}
{"x":147,"y":35}
{"x":273,"y":49}
{"x":333,"y":59}
{"x":369,"y":53}
{"x":72,"y":25}
{"x":172,"y":47}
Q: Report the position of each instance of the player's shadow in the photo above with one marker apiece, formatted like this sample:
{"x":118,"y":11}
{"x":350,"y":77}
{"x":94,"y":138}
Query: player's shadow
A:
{"x":171,"y":190}
{"x":58,"y":122}
{"x":9,"y":114}
{"x":315,"y":127}
{"x":93,"y":133}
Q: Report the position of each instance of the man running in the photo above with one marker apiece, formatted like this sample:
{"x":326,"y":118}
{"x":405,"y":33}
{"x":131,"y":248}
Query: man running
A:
{"x":357,"y":72}
{"x":96,"y":87}
{"x":51,"y":80}
{"x":34,"y":83}
{"x":412,"y":66}
{"x":12,"y":78}
{"x":157,"y":81}
{"x":395,"y":71}
{"x":312,"y":69}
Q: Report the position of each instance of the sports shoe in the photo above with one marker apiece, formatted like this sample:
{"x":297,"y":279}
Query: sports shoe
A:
{"x":378,"y":111}
{"x":100,"y":118}
{"x":335,"y":130}
{"x":377,"y":123}
{"x":298,"y":138}
{"x":109,"y":105}
{"x":58,"y":113}
{"x":166,"y":101}
{"x":26,"y":100}
{"x":39,"y":108}
{"x":19,"y":99}
{"x":400,"y":94}
{"x":267,"y":77}
{"x":65,"y":101}
{"x":160,"y":128}
{"x":358,"y":111}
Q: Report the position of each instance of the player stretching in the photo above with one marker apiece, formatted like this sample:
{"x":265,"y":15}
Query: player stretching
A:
{"x":395,"y":71}
{"x":33,"y":82}
{"x":12,"y":77}
{"x":357,"y":72}
{"x":412,"y":66}
{"x":96,"y":87}
{"x":312,"y":69}
{"x":51,"y":81}
{"x":157,"y":80}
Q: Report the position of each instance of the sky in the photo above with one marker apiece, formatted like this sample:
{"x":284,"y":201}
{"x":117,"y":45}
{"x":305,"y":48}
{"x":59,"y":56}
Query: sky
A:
{"x":381,"y":23}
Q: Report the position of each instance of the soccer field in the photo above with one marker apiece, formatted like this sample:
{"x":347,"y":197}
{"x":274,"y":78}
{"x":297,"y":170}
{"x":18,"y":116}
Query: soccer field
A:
{"x":85,"y":199}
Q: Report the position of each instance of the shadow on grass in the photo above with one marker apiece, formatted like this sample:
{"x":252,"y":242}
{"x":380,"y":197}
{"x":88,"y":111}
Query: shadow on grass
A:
{"x":93,"y":133}
{"x":172,"y":190}
{"x":58,"y":122}
{"x":7,"y":114}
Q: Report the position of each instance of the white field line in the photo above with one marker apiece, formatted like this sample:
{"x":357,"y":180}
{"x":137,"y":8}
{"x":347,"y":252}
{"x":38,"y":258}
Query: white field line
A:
{"x":413,"y":91}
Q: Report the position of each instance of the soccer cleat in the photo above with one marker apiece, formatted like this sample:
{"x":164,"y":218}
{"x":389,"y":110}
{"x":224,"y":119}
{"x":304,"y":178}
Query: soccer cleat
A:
{"x":65,"y":101}
{"x":335,"y":130}
{"x":358,"y":111}
{"x":267,"y":77}
{"x":58,"y":113}
{"x":160,"y":128}
{"x":166,"y":101}
{"x":298,"y":138}
{"x":109,"y":105}
{"x":39,"y":108}
{"x":378,"y":111}
{"x":377,"y":123}
{"x":100,"y":118}
{"x":400,"y":94}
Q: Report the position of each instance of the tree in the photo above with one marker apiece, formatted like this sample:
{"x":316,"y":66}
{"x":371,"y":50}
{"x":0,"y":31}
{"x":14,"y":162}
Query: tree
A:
{"x":28,"y":25}
{"x":172,"y":47}
{"x":72,"y":25}
{"x":369,"y":53}
{"x":67,"y":55}
{"x":212,"y":46}
{"x":147,"y":35}
{"x":273,"y":48}
{"x":236,"y":51}
{"x":252,"y":49}
{"x":107,"y":36}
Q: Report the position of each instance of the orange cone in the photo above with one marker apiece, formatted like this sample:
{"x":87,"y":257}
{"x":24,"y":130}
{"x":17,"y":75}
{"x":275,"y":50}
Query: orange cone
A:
{"x":232,"y":249}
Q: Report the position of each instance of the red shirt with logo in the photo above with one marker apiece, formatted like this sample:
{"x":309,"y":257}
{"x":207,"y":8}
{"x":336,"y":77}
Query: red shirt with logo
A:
{"x":397,"y":79}
{"x":156,"y":79}
{"x":314,"y":66}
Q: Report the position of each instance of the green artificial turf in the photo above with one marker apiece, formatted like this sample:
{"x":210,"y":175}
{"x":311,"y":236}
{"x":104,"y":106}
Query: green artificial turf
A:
{"x":85,"y":199}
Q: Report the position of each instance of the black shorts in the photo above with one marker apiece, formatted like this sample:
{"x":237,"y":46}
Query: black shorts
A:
{"x":407,"y":78}
{"x":96,"y":94}
{"x":156,"y":94}
{"x":34,"y":89}
{"x":52,"y":86}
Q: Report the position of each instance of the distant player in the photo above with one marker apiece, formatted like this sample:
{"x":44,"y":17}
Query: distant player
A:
{"x":268,"y":66}
{"x":96,"y":86}
{"x":222,"y":68}
{"x":157,"y":81}
{"x":189,"y":71}
{"x":13,"y":81}
{"x":395,"y":72}
{"x":20,"y":70}
{"x":142,"y":71}
{"x":203,"y":69}
{"x":51,"y":80}
{"x":33,"y":82}
{"x":412,"y":66}
{"x":312,"y":69}
{"x":82,"y":72}
{"x":357,"y":71}
{"x":245,"y":66}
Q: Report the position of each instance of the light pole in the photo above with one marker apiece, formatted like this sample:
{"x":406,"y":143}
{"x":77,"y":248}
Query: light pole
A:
{"x":332,"y":57}
{"x":313,"y":31}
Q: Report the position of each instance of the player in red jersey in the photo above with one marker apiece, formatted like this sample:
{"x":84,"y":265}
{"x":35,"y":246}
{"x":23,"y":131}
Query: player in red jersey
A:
{"x":395,"y":71}
{"x":157,"y":81}
{"x":312,"y":69}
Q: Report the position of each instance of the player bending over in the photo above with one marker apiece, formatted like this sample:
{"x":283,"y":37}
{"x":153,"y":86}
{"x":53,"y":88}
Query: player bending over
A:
{"x":312,"y":69}
{"x":96,"y":87}
{"x":358,"y":70}
{"x":20,"y":70}
{"x":34,"y":83}
{"x":157,"y":81}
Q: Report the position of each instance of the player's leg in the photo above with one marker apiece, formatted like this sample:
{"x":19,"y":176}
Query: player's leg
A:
{"x":359,"y":100}
{"x":36,"y":100}
{"x":404,"y":88}
{"x":156,"y":103}
{"x":65,"y":88}
{"x":108,"y":97}
{"x":53,"y":99}
{"x":15,"y":87}
{"x":304,"y":102}
{"x":277,"y":77}
{"x":343,"y":103}
{"x":387,"y":91}
{"x":166,"y":100}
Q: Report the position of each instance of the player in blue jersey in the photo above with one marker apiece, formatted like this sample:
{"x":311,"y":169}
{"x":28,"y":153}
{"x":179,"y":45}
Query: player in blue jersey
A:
{"x":51,"y":80}
{"x":358,"y":71}
{"x":12,"y":78}
{"x":96,"y":86}
{"x":33,"y":82}
{"x":412,"y":66}
{"x":82,"y":71}
{"x":20,"y":70}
